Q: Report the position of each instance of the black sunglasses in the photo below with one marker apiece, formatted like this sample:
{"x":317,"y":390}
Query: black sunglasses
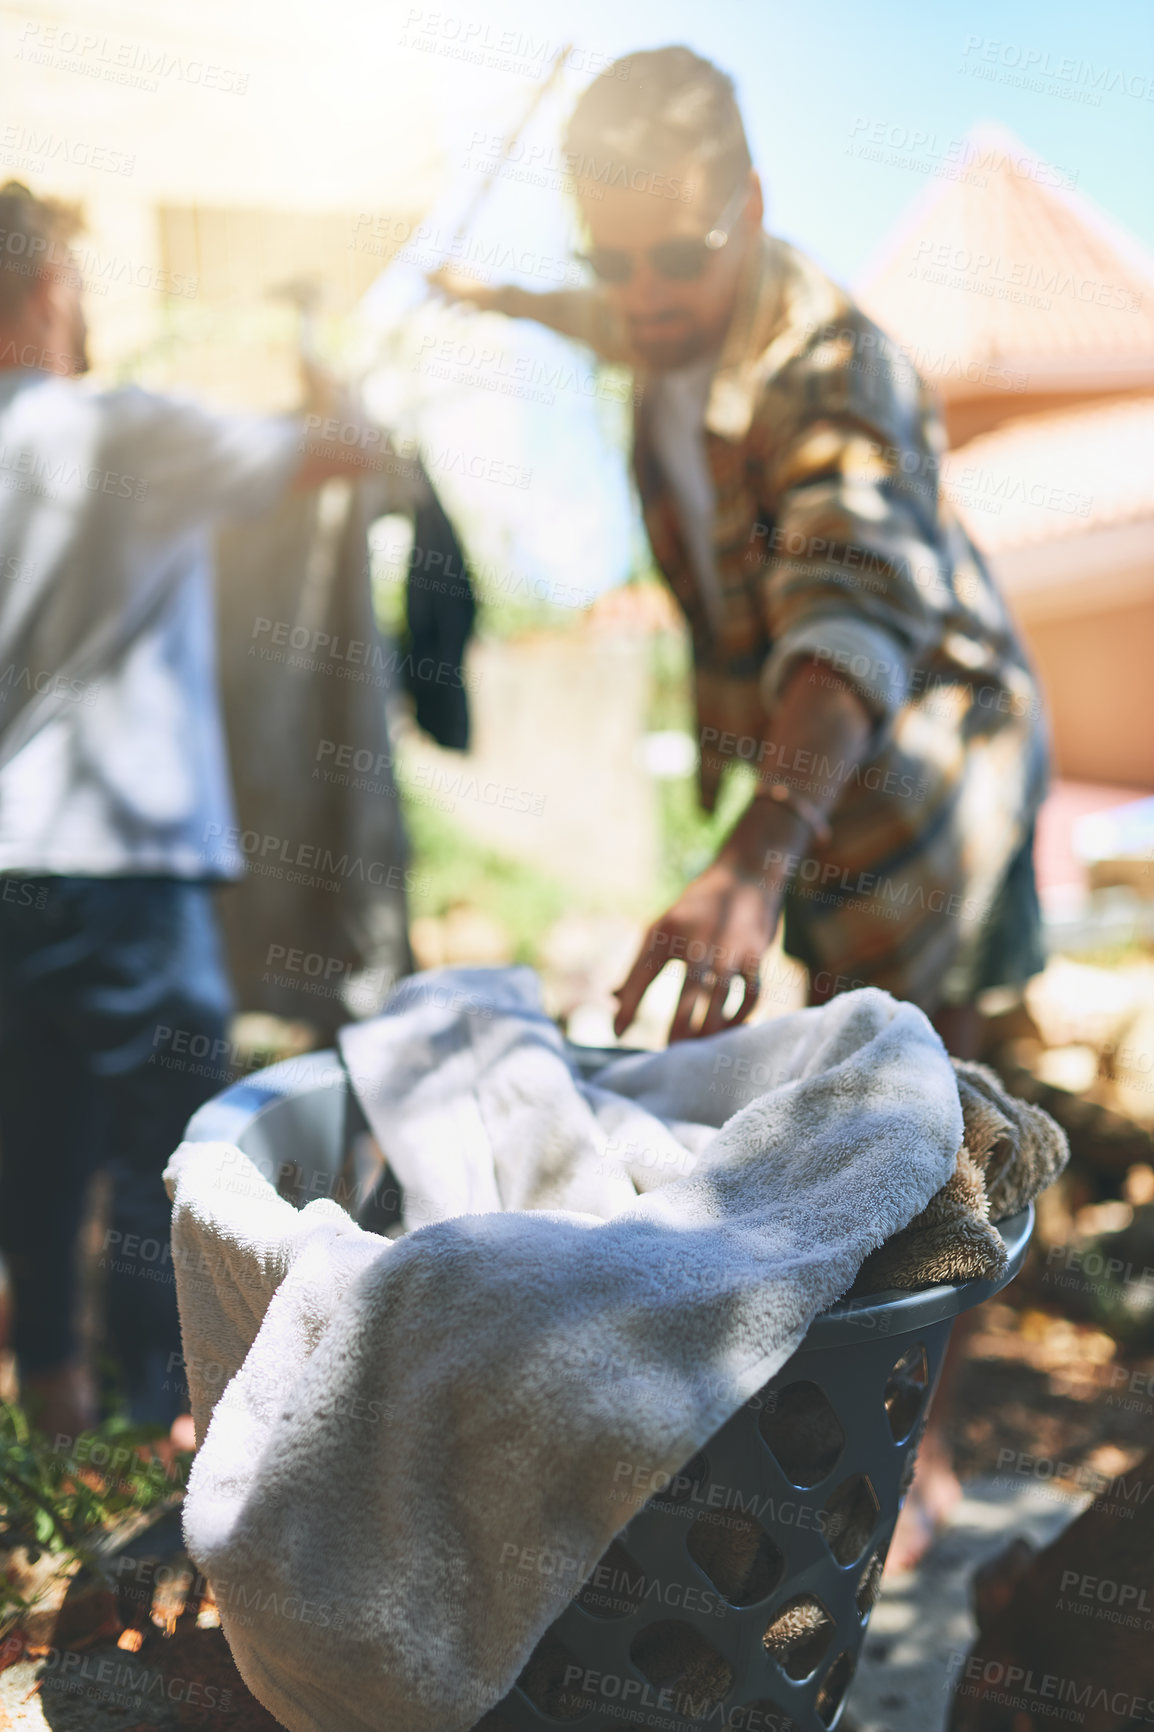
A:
{"x":679,"y":260}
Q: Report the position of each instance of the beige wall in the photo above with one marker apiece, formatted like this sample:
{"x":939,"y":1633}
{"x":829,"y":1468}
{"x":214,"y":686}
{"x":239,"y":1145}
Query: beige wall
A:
{"x":1084,"y":605}
{"x":230,"y":333}
{"x":1098,"y":673}
{"x":552,"y":777}
{"x":238,"y":132}
{"x":968,"y":416}
{"x":234,"y":254}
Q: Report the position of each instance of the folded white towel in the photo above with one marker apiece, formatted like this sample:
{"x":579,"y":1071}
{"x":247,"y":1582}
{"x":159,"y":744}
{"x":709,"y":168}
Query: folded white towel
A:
{"x":392,"y":1422}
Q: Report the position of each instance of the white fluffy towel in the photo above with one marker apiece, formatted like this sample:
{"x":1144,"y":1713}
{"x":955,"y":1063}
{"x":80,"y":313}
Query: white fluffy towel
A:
{"x":592,"y":1279}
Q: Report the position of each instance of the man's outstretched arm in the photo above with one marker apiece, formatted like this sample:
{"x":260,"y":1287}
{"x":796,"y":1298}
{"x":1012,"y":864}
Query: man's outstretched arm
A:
{"x":582,"y":314}
{"x":723,"y":923}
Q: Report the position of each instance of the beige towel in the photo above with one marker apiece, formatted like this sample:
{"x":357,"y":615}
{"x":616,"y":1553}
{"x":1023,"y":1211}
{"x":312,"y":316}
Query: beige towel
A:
{"x":1010,"y":1152}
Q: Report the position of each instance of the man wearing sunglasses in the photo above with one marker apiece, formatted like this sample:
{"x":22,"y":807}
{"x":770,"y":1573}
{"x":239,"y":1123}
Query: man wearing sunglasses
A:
{"x":849,"y":643}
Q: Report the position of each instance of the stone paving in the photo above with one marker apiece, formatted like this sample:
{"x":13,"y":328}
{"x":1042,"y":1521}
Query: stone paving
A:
{"x":922,"y":1625}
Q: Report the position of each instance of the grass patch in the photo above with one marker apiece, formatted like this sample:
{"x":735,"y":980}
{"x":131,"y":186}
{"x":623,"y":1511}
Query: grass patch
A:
{"x":690,"y":838}
{"x":450,"y":867}
{"x":64,"y":1503}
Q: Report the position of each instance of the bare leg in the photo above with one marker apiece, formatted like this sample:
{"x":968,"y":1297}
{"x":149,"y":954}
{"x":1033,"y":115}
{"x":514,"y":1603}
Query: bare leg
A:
{"x":182,"y":1433}
{"x":936,"y":1489}
{"x":961,"y":1027}
{"x":61,"y":1402}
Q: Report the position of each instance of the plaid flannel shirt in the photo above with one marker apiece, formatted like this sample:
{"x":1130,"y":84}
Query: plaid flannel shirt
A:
{"x":835,"y":545}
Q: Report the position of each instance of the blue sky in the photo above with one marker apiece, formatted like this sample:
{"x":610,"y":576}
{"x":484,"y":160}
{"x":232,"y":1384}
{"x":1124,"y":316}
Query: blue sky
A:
{"x":817,"y":80}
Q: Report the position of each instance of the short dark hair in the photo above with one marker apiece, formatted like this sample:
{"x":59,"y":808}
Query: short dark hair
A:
{"x":655,"y":109}
{"x":34,"y":237}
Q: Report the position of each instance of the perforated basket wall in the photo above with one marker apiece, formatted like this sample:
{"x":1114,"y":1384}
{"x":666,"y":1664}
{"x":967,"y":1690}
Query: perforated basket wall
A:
{"x":737,"y":1599}
{"x":739,"y":1596}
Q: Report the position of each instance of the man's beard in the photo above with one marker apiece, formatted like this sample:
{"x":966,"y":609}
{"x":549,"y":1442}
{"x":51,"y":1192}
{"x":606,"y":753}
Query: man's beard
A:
{"x":685,"y":343}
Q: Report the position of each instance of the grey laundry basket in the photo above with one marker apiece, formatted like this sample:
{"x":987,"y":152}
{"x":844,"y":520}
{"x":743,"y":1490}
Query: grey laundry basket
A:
{"x":738,"y":1596}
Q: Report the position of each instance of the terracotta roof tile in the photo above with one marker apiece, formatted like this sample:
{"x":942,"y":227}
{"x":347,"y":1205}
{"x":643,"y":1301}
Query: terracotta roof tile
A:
{"x":1007,"y":265}
{"x":1045,"y":477}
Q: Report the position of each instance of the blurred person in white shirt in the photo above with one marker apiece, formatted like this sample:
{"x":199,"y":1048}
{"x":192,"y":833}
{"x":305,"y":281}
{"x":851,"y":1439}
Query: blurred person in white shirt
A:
{"x":115,"y":811}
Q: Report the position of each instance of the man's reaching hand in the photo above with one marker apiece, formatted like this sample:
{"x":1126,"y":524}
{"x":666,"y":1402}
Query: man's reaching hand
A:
{"x":721,"y":927}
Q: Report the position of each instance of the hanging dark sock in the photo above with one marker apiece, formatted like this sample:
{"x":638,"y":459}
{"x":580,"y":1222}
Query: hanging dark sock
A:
{"x":440,"y":610}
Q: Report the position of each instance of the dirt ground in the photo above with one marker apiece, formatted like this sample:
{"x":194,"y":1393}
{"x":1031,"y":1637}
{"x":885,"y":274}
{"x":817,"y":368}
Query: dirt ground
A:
{"x":1054,"y":1396}
{"x":1043,"y":1405}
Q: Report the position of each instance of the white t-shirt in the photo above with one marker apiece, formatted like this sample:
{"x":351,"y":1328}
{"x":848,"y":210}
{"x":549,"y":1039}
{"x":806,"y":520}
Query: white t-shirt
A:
{"x":677,"y":401}
{"x":131,"y":775}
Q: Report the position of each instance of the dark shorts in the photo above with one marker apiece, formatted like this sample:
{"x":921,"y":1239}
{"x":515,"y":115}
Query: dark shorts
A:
{"x":1015,"y":947}
{"x":114,"y":1008}
{"x":928,"y":961}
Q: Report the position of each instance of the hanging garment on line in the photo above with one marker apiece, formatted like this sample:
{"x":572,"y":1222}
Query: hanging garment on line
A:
{"x":318,"y":929}
{"x":440,"y":609}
